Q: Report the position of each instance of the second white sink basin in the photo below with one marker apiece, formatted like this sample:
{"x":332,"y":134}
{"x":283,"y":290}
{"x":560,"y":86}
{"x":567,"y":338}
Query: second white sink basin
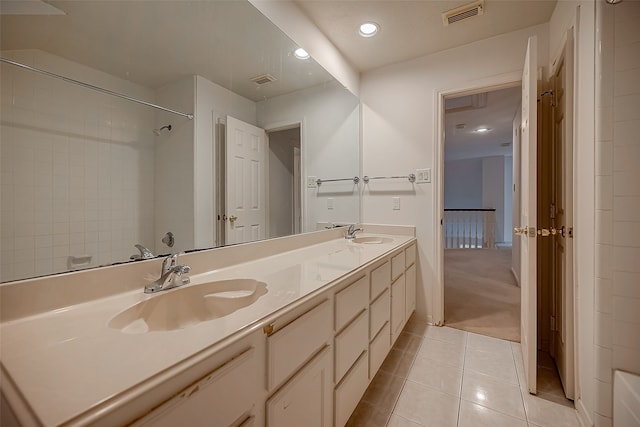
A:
{"x":178,"y":308}
{"x":372,"y":240}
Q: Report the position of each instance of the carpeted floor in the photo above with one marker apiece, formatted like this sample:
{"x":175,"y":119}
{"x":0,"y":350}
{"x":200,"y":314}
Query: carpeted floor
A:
{"x":480,"y":293}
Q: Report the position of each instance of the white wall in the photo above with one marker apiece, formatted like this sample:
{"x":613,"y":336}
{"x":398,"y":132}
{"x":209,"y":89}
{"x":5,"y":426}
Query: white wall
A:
{"x":77,"y":168}
{"x":463,"y":184}
{"x":617,"y":211}
{"x":175,"y":192}
{"x":330,"y":128}
{"x":399,"y":131}
{"x":508,"y":199}
{"x":493,"y":170}
{"x":515,"y":245}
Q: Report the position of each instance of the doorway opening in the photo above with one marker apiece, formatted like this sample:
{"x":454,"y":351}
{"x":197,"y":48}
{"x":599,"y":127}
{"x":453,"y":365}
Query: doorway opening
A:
{"x":481,"y":294}
{"x":284,"y":214}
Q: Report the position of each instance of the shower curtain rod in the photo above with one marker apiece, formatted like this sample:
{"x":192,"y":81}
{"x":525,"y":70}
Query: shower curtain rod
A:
{"x":96,"y":88}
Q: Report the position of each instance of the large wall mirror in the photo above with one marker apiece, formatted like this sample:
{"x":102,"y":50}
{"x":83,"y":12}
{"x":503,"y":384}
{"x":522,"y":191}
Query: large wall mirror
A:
{"x":246,"y":132}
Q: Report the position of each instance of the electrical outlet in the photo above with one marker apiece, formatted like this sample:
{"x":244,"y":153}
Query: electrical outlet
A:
{"x":311,"y":182}
{"x":423,"y":176}
{"x":395,"y":201}
{"x":330,"y":203}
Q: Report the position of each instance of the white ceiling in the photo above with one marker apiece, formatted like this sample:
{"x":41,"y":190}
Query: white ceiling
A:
{"x":496,"y":115}
{"x":409,"y":29}
{"x":153,"y":43}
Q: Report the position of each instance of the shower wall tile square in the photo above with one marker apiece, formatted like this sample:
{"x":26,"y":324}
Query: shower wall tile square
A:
{"x":73,"y":164}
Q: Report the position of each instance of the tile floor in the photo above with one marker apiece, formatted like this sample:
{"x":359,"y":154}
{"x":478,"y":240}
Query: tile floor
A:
{"x":441,"y":377}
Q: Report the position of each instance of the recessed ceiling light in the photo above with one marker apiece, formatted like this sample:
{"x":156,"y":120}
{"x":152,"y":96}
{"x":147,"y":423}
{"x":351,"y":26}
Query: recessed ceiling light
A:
{"x":369,"y":29}
{"x":300,"y":53}
{"x":482,"y":130}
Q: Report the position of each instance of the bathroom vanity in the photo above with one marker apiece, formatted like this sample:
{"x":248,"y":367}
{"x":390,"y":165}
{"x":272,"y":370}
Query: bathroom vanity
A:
{"x":285,"y":332}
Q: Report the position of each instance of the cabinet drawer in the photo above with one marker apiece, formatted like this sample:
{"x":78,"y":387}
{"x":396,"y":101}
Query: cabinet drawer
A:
{"x":380,"y":280}
{"x":379,"y":313}
{"x":410,"y":255}
{"x":306,"y":399}
{"x":397,"y":265}
{"x":349,"y":392}
{"x":378,"y":349}
{"x":225,"y":395}
{"x":351,"y":301}
{"x":293,"y":345}
{"x":350,"y":344}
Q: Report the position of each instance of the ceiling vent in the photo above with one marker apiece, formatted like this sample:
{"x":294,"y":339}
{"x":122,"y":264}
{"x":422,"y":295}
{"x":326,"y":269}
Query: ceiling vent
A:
{"x":463,"y":12}
{"x":263,"y":79}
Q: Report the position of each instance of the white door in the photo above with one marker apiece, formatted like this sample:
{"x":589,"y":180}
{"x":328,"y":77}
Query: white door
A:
{"x":528,"y":214}
{"x":245,"y":182}
{"x":562,"y":348}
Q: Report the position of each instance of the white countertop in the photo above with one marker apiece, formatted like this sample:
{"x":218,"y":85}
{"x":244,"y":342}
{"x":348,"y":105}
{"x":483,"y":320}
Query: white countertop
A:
{"x":67,"y":361}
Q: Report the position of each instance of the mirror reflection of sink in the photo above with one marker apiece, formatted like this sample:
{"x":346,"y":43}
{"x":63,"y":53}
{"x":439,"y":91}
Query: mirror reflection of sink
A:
{"x":372,"y":240}
{"x":192,"y":304}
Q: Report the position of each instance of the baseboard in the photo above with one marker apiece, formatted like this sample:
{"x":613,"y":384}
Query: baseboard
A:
{"x":515,"y":276}
{"x":583,"y":414}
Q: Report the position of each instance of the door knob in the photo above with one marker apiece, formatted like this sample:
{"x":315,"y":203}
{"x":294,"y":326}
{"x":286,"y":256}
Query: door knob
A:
{"x":520,"y":231}
{"x":232,"y":219}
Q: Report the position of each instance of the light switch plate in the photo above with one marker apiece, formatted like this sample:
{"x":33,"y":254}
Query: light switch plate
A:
{"x":330,"y":203}
{"x":311,"y":182}
{"x":395,"y":203}
{"x":423,"y":176}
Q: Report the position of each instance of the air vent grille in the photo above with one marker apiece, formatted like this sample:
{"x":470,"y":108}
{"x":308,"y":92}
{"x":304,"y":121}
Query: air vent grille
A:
{"x":463,"y":12}
{"x":263,"y":79}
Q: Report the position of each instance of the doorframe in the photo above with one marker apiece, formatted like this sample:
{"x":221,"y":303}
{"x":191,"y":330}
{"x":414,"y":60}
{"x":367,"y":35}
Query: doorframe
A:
{"x":498,"y":82}
{"x":286,"y":125}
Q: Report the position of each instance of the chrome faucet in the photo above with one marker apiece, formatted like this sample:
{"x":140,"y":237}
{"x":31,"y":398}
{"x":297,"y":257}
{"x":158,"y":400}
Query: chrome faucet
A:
{"x":171,"y":277}
{"x":351,"y":231}
{"x":144,"y":253}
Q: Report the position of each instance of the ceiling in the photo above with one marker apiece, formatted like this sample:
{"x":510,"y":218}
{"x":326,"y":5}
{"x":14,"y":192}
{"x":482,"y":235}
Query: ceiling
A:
{"x":153,"y":43}
{"x":410,"y":29}
{"x":464,"y":115}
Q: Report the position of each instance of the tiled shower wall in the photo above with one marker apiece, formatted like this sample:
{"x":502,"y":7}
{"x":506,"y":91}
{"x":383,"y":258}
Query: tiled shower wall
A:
{"x":77,"y":168}
{"x":617,"y":299}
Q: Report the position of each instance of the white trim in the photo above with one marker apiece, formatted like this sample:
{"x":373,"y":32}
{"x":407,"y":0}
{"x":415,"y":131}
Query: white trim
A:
{"x":501,"y":81}
{"x":583,"y":414}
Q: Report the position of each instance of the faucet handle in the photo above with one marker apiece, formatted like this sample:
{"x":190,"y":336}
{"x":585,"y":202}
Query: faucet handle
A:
{"x":169,"y":262}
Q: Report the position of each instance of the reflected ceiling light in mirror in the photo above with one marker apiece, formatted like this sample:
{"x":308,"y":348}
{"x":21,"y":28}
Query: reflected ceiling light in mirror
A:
{"x":300,"y":53}
{"x":482,"y":130}
{"x":369,"y":29}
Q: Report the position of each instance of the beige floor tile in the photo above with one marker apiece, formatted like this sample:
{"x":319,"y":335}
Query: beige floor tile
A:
{"x":397,"y":363}
{"x":474,"y":415}
{"x":502,"y":368}
{"x":493,"y":394}
{"x":383,"y":391}
{"x":416,"y":326}
{"x":446,"y":353}
{"x":549,"y":414}
{"x":445,"y":378}
{"x":396,"y":421}
{"x":409,"y":343}
{"x":427,"y":406}
{"x":367,"y":415}
{"x":488,"y":344}
{"x":444,"y":333}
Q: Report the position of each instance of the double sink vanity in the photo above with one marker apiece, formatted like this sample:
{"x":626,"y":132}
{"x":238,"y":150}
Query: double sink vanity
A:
{"x":284,"y":332}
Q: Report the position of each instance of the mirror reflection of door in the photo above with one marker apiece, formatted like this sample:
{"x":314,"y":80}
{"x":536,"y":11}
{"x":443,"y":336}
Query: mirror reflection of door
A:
{"x":284,"y":185}
{"x":246,"y":177}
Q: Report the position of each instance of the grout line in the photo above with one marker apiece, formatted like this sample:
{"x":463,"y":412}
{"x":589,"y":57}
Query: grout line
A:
{"x":524,"y":405}
{"x":464,"y":362}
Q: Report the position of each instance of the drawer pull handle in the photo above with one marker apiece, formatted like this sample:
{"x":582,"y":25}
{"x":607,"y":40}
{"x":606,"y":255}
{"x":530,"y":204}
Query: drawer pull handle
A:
{"x":268,"y":330}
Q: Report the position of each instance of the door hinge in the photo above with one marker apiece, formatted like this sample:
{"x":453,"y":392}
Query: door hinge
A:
{"x":552,"y":323}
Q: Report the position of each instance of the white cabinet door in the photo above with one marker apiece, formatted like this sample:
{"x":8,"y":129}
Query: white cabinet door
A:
{"x":306,"y":400}
{"x":398,"y":295}
{"x":410,"y":279}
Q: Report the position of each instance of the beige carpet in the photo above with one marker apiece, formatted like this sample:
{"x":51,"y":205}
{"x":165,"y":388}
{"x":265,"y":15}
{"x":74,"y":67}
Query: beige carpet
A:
{"x":480,"y":292}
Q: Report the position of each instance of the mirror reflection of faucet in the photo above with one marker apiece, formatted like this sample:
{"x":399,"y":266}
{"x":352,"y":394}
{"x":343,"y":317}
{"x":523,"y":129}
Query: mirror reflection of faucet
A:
{"x":173,"y":275}
{"x":144,"y":253}
{"x":351,"y":232}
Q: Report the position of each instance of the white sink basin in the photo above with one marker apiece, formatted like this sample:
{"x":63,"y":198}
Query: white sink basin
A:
{"x":372,"y":240}
{"x":192,"y":304}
